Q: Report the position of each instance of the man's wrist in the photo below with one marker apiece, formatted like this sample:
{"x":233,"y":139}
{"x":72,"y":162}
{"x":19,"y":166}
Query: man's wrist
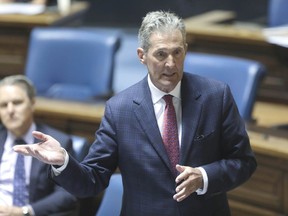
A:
{"x":65,"y":155}
{"x":57,"y":171}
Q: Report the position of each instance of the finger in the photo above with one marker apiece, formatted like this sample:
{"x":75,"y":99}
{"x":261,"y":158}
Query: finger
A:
{"x":181,"y":195}
{"x":182,"y":176}
{"x":23,"y":149}
{"x":39,"y":135}
{"x":180,"y":168}
{"x":182,"y":185}
{"x":34,"y":152}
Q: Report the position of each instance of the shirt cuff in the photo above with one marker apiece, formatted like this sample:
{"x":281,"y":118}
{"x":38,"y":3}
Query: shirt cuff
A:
{"x":31,"y":210}
{"x":202,"y":191}
{"x":57,"y":171}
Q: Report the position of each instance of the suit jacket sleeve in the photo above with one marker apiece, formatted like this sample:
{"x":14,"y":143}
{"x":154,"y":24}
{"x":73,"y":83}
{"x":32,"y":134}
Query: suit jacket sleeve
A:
{"x":47,"y":198}
{"x":237,"y":161}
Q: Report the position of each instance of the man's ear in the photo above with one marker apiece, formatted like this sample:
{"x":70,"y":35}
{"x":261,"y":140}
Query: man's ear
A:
{"x":141,"y":55}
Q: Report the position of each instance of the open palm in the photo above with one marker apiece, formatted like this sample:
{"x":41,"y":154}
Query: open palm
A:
{"x":48,"y":150}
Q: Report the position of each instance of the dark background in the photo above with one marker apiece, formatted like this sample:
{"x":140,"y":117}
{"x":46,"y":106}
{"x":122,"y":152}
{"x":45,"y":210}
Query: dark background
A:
{"x":130,"y":12}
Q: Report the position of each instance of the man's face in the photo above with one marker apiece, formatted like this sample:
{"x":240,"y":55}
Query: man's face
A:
{"x":16,"y":109}
{"x":164,"y":59}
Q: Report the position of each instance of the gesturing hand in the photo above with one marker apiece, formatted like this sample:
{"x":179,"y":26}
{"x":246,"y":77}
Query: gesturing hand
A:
{"x":191,"y":180}
{"x":48,"y":150}
{"x":6,"y":210}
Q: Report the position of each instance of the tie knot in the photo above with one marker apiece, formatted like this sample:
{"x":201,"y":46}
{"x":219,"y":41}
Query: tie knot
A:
{"x":168,"y":99}
{"x":19,"y":141}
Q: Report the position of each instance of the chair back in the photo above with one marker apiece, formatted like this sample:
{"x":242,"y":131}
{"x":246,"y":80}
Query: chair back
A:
{"x":112,"y":199}
{"x":242,"y":75}
{"x":127,"y":63}
{"x":277,"y":13}
{"x":72,"y":63}
{"x":81,"y":147}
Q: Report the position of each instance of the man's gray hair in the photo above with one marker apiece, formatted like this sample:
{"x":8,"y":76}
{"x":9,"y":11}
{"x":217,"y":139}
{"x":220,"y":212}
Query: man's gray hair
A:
{"x":21,"y":81}
{"x":159,"y":21}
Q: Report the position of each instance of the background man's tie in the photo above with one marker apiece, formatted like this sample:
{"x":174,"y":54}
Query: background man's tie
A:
{"x":20,"y":191}
{"x":170,"y":132}
{"x":21,"y":1}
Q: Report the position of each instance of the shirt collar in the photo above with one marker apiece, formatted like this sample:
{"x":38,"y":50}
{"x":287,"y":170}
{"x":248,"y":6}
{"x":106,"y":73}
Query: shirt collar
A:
{"x":28,"y":137}
{"x":157,"y":94}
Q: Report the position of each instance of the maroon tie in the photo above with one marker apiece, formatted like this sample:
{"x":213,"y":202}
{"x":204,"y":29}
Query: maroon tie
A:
{"x":170,"y":132}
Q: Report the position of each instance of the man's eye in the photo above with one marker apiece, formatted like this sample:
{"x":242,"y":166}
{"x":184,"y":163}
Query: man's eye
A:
{"x":161,"y":55}
{"x":178,"y":52}
{"x":17,"y":102}
{"x":3,"y":105}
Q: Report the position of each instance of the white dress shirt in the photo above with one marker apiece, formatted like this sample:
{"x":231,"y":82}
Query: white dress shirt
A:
{"x":7,"y":166}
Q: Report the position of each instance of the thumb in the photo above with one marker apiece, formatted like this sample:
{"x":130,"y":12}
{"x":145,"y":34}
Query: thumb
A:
{"x":39,"y":135}
{"x":180,"y":168}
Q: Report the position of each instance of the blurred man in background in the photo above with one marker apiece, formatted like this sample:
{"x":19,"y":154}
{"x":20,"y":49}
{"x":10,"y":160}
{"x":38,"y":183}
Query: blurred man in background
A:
{"x":38,"y":196}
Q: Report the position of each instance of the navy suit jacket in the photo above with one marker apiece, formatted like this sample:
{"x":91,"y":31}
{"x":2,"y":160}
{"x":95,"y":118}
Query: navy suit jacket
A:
{"x":213,"y":137}
{"x":45,"y":197}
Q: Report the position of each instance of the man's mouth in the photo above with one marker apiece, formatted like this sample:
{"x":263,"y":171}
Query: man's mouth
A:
{"x":169,"y":75}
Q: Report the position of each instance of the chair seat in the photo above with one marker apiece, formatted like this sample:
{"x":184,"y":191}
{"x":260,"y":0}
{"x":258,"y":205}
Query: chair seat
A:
{"x":69,"y":91}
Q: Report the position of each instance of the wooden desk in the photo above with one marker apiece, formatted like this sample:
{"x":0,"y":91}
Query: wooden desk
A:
{"x":71,"y":117}
{"x":215,"y":32}
{"x":270,"y":114}
{"x":68,"y":115}
{"x":15,"y":31}
{"x":266,"y":193}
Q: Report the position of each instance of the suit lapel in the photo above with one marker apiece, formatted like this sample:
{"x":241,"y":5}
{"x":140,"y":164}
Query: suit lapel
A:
{"x":3,"y":136}
{"x":144,"y":112}
{"x":191,"y":112}
{"x":35,"y":170}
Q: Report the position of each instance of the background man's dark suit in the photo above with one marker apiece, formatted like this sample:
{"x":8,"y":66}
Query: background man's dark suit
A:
{"x":213,"y":137}
{"x":45,"y":197}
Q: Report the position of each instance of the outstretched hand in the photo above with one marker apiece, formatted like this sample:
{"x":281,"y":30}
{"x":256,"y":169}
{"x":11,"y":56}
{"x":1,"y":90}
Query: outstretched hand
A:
{"x":48,"y":150}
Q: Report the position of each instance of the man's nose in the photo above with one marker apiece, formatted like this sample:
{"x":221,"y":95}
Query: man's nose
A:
{"x":10,"y":107}
{"x":170,"y":62}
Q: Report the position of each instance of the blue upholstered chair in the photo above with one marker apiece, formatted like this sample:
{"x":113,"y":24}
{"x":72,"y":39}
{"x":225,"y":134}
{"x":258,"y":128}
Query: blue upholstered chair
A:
{"x":128,"y":68}
{"x":112,"y":199}
{"x":72,"y":63}
{"x":277,"y":13}
{"x":80,"y":147}
{"x":242,"y":75}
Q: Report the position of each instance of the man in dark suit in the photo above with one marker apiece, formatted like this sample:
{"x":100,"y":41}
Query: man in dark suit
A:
{"x":215,"y":154}
{"x":17,"y":99}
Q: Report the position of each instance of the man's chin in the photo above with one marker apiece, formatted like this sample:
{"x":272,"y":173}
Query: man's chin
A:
{"x":168,"y":86}
{"x":13,"y":127}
